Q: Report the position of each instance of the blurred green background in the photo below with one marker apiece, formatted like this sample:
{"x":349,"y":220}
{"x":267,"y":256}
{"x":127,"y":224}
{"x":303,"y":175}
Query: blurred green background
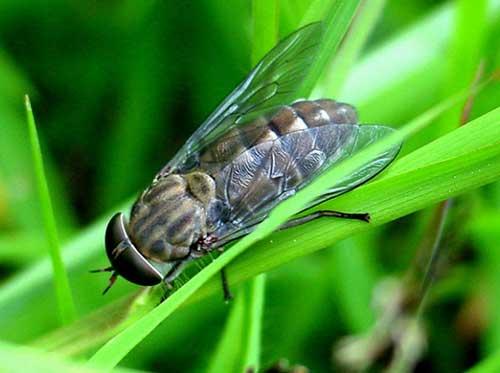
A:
{"x":118,"y":86}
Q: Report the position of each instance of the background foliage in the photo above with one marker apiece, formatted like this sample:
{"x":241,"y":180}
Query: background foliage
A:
{"x":116,"y":88}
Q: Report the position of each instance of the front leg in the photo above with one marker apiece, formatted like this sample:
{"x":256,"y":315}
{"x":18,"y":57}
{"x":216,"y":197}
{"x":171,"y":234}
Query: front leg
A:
{"x":172,"y":274}
{"x":170,"y":277}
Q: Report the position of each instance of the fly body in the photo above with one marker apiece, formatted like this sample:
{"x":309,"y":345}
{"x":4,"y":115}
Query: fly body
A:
{"x":171,"y":215}
{"x":262,"y":161}
{"x":257,"y":149}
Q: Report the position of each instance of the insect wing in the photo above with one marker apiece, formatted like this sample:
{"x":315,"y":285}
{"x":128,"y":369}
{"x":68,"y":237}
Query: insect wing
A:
{"x":271,"y":83}
{"x":272,"y":171}
{"x":365,"y":136}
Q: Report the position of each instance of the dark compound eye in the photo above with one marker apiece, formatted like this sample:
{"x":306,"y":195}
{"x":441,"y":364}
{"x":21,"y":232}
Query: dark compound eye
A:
{"x":124,"y":257}
{"x":115,"y":233}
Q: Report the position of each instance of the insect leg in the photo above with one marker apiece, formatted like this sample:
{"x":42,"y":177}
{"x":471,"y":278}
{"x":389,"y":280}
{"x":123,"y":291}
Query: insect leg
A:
{"x":107,"y":269}
{"x":112,"y":280}
{"x":325,"y":213}
{"x":225,"y":286}
{"x":176,"y":269}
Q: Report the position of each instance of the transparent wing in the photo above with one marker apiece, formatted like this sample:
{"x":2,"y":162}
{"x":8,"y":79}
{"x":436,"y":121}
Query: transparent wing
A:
{"x":270,"y":172}
{"x":366,"y":136}
{"x":271,"y":83}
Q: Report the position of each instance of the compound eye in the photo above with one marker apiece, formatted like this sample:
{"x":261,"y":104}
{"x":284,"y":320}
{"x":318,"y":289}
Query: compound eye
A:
{"x":115,"y":233}
{"x":124,"y":257}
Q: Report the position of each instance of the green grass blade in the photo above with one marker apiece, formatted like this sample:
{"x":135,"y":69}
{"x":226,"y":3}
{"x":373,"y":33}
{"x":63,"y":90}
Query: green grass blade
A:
{"x":463,"y":56}
{"x":402,"y":56}
{"x":414,"y":58}
{"x":354,"y":274}
{"x":337,"y":72}
{"x":485,"y":237}
{"x":17,"y":358}
{"x":18,"y":198}
{"x":67,"y":311}
{"x":336,"y":24}
{"x":316,"y":11}
{"x":227,"y":355}
{"x":255,"y":294}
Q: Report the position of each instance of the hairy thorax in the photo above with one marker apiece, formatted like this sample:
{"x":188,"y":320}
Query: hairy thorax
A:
{"x":171,"y":216}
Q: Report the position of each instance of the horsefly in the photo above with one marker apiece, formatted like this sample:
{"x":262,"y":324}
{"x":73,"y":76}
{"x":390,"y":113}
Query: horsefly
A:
{"x":258,"y":148}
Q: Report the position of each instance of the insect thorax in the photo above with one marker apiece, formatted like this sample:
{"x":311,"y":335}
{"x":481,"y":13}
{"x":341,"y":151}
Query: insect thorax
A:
{"x":171,"y":215}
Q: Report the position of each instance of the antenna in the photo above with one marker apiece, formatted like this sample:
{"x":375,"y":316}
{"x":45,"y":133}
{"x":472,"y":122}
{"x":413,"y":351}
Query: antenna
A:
{"x":112,"y":280}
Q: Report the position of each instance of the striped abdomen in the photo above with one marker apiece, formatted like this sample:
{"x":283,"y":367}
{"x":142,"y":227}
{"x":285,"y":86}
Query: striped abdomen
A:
{"x":299,"y":116}
{"x":265,"y":162}
{"x":171,"y":215}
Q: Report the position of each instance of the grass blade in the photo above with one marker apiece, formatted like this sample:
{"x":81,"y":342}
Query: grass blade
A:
{"x":463,"y":56}
{"x":352,"y":44}
{"x":354,"y":274}
{"x":255,"y":291}
{"x":227,"y":356}
{"x":18,"y":199}
{"x":415,"y":58}
{"x":67,"y":311}
{"x":337,"y":22}
{"x":16,"y":358}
